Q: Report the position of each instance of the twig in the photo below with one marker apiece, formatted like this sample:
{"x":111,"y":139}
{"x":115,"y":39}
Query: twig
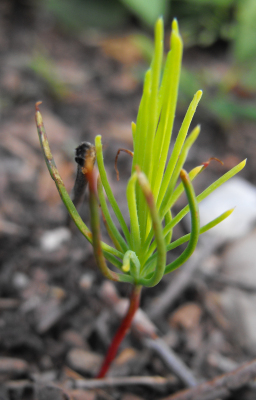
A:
{"x":222,"y":363}
{"x":177,"y":366}
{"x":151,"y":381}
{"x":227,"y":281}
{"x":220,"y":387}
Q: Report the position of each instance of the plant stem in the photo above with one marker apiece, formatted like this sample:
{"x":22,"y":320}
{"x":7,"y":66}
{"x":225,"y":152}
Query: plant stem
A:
{"x":122,"y":330}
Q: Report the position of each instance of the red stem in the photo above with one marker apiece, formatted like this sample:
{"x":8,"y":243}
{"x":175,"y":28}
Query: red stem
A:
{"x":122,"y":330}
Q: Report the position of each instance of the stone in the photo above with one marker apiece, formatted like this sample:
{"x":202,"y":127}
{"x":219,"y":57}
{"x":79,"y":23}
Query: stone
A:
{"x":186,"y":316}
{"x":79,"y":394}
{"x":83,"y":361}
{"x":52,"y":240}
{"x":235,"y":193}
{"x":72,"y":338}
{"x":239,"y":260}
{"x":13,"y":366}
{"x":86,"y":280}
{"x":239,"y":305}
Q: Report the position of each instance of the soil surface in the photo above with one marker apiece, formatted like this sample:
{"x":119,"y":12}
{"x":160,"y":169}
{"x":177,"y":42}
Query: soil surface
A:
{"x":58,"y":314}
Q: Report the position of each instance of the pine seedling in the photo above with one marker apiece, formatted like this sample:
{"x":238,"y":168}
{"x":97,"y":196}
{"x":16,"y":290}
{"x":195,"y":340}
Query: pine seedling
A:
{"x":139,"y":248}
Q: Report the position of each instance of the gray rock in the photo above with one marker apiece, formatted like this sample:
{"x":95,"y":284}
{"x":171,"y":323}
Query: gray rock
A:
{"x":13,"y":366}
{"x":53,"y":240}
{"x":239,"y":305}
{"x":239,"y":260}
{"x":83,"y":361}
{"x":240,"y":309}
{"x":235,"y":193}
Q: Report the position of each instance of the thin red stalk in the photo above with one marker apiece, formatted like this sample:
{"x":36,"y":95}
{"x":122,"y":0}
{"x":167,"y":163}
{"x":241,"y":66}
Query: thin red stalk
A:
{"x":122,"y":330}
{"x":117,"y":154}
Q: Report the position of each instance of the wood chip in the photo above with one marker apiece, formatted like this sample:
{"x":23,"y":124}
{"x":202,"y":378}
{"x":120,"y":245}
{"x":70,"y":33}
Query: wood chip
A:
{"x":13,"y":366}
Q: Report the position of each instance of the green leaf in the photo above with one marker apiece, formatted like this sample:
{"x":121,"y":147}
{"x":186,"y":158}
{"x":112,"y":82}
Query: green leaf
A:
{"x":106,"y":185}
{"x":132,"y":206}
{"x":149,"y":267}
{"x":158,"y":231}
{"x":207,"y":192}
{"x":49,"y":160}
{"x":114,"y":234}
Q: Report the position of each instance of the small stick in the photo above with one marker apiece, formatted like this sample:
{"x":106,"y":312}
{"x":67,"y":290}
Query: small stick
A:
{"x":117,"y":154}
{"x":177,"y":366}
{"x":220,"y":387}
{"x":151,"y":381}
{"x":226,"y":281}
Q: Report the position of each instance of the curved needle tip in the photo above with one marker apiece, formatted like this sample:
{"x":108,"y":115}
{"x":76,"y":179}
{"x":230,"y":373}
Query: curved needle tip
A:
{"x":183,"y":175}
{"x":206,"y":163}
{"x":37,"y":105}
{"x":138,"y":170}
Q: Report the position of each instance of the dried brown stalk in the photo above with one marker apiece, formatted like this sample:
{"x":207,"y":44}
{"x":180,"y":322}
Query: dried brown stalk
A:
{"x":220,"y":387}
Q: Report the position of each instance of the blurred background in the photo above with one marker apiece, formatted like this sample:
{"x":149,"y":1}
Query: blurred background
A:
{"x":86,"y":59}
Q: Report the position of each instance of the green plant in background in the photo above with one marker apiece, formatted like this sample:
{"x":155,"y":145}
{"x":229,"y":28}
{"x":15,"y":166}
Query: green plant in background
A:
{"x":203,"y":23}
{"x":44,"y":67}
{"x":76,"y":14}
{"x":139,"y":251}
{"x":230,"y":92}
{"x":147,"y":14}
